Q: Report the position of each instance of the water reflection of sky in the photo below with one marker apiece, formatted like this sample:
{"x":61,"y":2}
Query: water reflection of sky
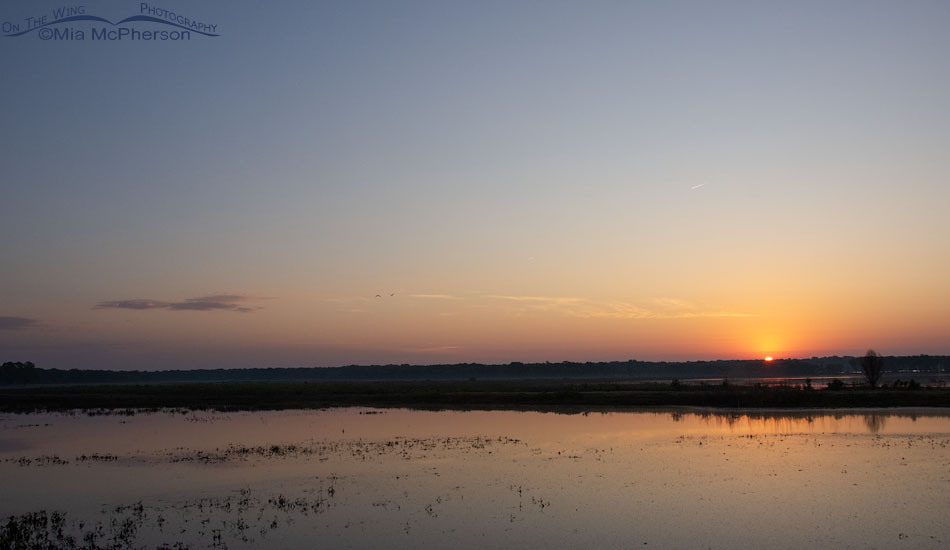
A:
{"x":65,"y":433}
{"x":408,"y":479}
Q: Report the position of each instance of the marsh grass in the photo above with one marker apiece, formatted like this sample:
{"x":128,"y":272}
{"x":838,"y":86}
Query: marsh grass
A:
{"x":45,"y":530}
{"x":530,"y":394}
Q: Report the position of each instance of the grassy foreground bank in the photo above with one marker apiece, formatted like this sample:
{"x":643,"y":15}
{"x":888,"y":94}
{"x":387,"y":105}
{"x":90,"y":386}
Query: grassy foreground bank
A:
{"x":473,"y":394}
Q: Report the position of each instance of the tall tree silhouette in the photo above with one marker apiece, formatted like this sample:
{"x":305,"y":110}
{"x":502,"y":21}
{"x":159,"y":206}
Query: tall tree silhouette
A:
{"x":873,"y":366}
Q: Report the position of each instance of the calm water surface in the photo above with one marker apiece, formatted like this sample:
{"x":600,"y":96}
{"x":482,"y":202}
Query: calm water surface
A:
{"x":365,"y":478}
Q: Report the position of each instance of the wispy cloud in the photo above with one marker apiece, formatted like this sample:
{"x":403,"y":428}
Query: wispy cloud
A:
{"x":537,"y":299}
{"x":231,"y":302}
{"x":556,"y":304}
{"x":17,"y":323}
{"x":697,"y":186}
{"x":569,"y":306}
{"x":220,"y":302}
{"x":132,"y":304}
{"x":659,"y":308}
{"x":620,"y":310}
{"x":432,"y":349}
{"x":672,"y":303}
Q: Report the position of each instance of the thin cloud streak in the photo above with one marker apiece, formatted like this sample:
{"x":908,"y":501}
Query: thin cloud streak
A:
{"x":17,"y":323}
{"x":537,"y":299}
{"x":697,"y":186}
{"x":570,"y":306}
{"x":132,"y":304}
{"x":672,"y":303}
{"x":219,"y":302}
{"x":432,"y":349}
{"x":667,"y":308}
{"x":627,"y":311}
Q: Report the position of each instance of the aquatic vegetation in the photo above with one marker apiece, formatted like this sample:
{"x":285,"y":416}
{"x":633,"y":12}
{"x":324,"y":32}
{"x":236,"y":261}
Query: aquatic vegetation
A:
{"x":53,"y":531}
{"x":402,"y":447}
{"x":302,"y":480}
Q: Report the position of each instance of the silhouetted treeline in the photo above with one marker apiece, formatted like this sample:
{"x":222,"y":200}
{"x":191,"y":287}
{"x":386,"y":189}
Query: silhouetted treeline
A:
{"x":20,"y":373}
{"x":28,"y":373}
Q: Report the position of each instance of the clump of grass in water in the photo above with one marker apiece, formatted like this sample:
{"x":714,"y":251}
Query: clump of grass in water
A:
{"x":37,"y":530}
{"x":51,"y":531}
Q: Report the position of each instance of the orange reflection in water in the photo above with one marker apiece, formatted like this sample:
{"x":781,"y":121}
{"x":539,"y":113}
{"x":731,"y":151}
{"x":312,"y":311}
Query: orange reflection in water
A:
{"x":475,"y":479}
{"x":116,"y":434}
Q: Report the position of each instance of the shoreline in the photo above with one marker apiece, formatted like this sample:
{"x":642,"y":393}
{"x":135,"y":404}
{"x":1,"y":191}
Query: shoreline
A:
{"x":487,"y":395}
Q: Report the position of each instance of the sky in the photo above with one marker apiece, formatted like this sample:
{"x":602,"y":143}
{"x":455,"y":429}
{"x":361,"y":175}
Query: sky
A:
{"x":331,"y":183}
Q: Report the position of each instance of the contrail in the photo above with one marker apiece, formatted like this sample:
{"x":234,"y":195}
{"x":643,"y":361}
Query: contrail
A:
{"x":695,"y":187}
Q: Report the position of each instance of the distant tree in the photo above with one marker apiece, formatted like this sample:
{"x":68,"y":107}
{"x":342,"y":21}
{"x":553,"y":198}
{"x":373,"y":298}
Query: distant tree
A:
{"x":873,"y":366}
{"x":17,"y":373}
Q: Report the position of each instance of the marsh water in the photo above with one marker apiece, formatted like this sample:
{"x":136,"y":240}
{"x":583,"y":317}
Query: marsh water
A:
{"x":367,"y":478}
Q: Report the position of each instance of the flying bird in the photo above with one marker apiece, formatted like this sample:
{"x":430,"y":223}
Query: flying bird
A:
{"x":378,"y":296}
